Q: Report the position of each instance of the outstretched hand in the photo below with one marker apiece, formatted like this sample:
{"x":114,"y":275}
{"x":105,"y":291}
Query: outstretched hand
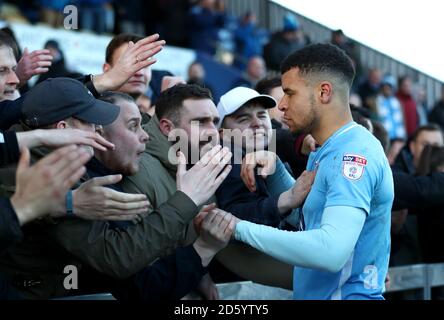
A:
{"x":137,"y":56}
{"x":31,"y":64}
{"x":93,"y":201}
{"x":201,"y":181}
{"x":41,"y":188}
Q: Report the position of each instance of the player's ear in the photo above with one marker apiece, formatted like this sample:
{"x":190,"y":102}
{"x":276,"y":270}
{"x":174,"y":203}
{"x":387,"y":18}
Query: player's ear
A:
{"x":325,"y":92}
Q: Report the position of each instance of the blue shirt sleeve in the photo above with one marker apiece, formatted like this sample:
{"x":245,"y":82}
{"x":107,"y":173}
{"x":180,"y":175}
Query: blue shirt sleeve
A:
{"x":327,"y":248}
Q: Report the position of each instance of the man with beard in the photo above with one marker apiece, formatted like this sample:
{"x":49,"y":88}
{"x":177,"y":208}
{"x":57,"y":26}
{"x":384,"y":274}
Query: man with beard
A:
{"x":343,"y":250}
{"x":176,"y":110}
{"x":175,"y":275}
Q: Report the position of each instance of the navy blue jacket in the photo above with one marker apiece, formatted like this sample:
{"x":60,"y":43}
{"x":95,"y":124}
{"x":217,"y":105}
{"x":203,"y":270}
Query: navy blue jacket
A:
{"x":418,"y":191}
{"x":9,"y":149}
{"x":404,"y":161}
{"x":258,"y":207}
{"x":10,"y":113}
{"x":10,"y":233}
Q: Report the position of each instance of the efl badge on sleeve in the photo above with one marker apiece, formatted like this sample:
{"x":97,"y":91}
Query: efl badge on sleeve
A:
{"x":353,"y":166}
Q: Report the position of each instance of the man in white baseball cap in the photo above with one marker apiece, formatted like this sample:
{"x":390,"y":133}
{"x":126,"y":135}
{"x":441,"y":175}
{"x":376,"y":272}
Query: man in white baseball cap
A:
{"x":244,"y":112}
{"x":236,"y":98}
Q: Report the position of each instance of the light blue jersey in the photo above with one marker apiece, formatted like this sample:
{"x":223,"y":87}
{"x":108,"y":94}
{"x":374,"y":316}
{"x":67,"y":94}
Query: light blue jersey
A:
{"x":352,"y":171}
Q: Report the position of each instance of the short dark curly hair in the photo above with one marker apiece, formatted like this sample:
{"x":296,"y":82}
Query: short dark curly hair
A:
{"x":170,"y":101}
{"x":117,"y":41}
{"x":264,"y":86}
{"x":321,"y":58}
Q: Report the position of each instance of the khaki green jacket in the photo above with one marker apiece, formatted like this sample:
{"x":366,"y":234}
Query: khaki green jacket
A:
{"x":51,"y":244}
{"x":157,"y":175}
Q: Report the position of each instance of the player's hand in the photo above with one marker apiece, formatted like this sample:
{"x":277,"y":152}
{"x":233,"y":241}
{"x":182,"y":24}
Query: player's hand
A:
{"x":294,"y":197}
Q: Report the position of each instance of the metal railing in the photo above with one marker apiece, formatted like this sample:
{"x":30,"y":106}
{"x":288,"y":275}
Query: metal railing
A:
{"x":418,"y":276}
{"x":270,"y":16}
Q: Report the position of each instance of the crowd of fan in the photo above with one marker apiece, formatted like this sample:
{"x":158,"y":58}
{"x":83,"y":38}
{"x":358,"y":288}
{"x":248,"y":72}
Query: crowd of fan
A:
{"x":128,"y":224}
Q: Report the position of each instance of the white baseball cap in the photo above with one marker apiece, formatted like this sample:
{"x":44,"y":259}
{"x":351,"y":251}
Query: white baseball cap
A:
{"x":234,"y":99}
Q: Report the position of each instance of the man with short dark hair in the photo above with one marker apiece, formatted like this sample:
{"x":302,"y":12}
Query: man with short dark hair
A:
{"x":177,"y":109}
{"x":343,"y":252}
{"x":272,"y":86}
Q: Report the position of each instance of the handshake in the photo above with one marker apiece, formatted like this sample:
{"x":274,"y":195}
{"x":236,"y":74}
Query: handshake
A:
{"x":215,"y":228}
